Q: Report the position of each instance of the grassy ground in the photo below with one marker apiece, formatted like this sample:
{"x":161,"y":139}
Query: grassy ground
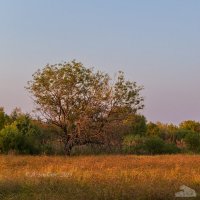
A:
{"x":97,"y":177}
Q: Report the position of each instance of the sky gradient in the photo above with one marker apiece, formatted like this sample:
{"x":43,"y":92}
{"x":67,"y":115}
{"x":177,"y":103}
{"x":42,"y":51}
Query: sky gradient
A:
{"x":156,"y":43}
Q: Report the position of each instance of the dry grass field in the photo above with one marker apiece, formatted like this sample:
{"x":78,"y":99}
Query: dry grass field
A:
{"x":97,"y":177}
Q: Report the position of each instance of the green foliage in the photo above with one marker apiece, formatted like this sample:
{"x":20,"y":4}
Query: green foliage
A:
{"x":4,"y":118}
{"x":9,"y":138}
{"x":25,"y":125}
{"x":192,"y":140}
{"x":171,"y":148}
{"x":168,"y":132}
{"x":190,"y":125}
{"x":138,"y":125}
{"x":134,"y":144}
{"x":20,"y":137}
{"x":154,"y":145}
{"x":153,"y":129}
{"x":16,"y":113}
{"x":181,"y":134}
{"x":83,"y":103}
{"x":85,"y":110}
{"x":148,"y":145}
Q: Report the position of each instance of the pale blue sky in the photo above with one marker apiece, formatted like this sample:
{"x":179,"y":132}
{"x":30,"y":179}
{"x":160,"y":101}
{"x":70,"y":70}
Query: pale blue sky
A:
{"x":155,"y":42}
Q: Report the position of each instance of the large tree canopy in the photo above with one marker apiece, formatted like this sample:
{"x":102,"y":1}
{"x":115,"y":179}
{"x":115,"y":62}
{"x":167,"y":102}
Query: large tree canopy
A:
{"x":82,"y":102}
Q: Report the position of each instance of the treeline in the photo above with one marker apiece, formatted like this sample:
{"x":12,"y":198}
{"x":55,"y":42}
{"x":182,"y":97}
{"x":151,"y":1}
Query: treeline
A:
{"x":159,"y":138}
{"x":21,"y":134}
{"x":88,"y":112}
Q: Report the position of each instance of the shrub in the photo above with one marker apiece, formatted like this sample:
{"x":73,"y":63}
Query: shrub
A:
{"x":148,"y":145}
{"x":8,"y":137}
{"x":153,"y":129}
{"x":181,"y":134}
{"x":133,"y":144}
{"x":155,"y":145}
{"x":192,"y":140}
{"x":138,"y":125}
{"x":4,"y":118}
{"x":171,"y":148}
{"x":20,"y":137}
{"x":190,"y":125}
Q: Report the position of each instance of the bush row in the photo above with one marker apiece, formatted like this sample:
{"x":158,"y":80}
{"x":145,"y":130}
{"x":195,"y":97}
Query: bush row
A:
{"x":20,"y":134}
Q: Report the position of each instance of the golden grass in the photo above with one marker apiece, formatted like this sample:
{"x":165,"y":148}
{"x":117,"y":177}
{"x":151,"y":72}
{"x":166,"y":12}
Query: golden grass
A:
{"x":97,"y":177}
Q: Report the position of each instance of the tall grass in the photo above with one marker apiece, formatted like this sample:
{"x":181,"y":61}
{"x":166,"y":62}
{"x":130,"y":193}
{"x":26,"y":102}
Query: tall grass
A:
{"x":97,"y":177}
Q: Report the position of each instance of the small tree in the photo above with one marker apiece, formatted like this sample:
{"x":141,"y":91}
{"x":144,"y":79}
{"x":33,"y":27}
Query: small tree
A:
{"x":4,"y":118}
{"x":21,"y":137}
{"x":154,"y":145}
{"x":153,"y":129}
{"x":192,"y":140}
{"x":138,"y":125}
{"x":190,"y":125}
{"x":81,"y":102}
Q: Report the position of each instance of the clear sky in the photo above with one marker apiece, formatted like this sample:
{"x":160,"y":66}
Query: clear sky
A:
{"x":155,"y":42}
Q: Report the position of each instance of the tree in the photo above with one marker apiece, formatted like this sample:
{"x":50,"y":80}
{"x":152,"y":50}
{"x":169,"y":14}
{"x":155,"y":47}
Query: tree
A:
{"x":192,"y":140}
{"x":83,"y":103}
{"x":137,"y":125}
{"x":4,"y":118}
{"x":190,"y":125}
{"x":154,"y":145}
{"x":21,"y":137}
{"x":16,"y":113}
{"x":168,"y":132}
{"x":153,"y":129}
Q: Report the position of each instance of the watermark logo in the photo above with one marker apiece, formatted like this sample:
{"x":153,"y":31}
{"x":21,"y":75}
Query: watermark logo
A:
{"x":48,"y":175}
{"x":185,"y":191}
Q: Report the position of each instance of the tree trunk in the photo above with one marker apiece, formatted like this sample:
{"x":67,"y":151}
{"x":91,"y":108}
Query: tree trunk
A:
{"x":68,"y":144}
{"x":68,"y":148}
{"x":66,"y":139}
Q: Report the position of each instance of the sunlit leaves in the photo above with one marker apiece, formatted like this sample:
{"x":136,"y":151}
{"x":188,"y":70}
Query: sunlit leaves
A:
{"x":81,"y":101}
